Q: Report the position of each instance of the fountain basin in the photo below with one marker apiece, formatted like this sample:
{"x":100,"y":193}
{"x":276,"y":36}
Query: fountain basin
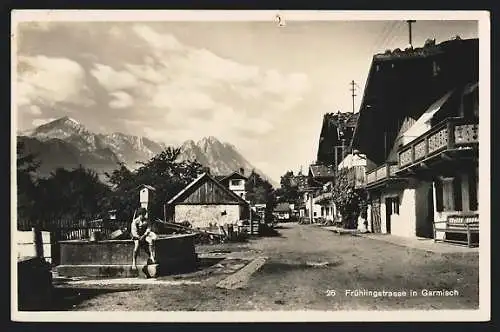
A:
{"x":113,"y":258}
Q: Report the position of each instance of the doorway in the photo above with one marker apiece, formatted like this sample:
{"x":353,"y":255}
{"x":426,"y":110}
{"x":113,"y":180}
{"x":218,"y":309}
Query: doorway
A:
{"x":388,"y":212}
{"x":425,"y":211}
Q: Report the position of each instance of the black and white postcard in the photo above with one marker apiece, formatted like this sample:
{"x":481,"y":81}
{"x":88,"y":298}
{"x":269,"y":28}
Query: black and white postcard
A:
{"x":250,"y":166}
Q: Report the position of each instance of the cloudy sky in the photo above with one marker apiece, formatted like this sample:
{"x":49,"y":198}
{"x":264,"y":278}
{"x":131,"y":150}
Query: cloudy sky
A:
{"x":262,"y":88}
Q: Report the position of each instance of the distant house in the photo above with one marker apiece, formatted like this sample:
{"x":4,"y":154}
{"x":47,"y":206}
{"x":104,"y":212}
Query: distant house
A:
{"x":282,"y":211}
{"x":318,"y":198}
{"x":323,"y":206}
{"x":320,"y":174}
{"x":206,"y":202}
{"x":235,"y":182}
{"x":335,"y":137}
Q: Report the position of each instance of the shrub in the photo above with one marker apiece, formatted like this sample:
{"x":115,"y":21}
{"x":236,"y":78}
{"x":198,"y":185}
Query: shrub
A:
{"x":350,"y":201}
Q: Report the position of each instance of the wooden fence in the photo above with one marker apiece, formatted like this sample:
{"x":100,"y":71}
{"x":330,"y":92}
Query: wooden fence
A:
{"x":70,"y":229}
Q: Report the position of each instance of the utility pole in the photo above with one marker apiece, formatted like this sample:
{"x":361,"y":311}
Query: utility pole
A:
{"x":336,"y":157}
{"x":353,"y":89}
{"x":410,"y":22}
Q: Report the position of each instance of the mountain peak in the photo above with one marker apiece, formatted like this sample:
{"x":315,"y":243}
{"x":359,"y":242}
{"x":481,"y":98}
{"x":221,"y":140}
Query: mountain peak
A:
{"x":188,"y":145}
{"x":60,"y":128}
{"x":189,"y":142}
{"x":102,"y":151}
{"x":209,"y":139}
{"x":64,"y":121}
{"x":69,"y":119}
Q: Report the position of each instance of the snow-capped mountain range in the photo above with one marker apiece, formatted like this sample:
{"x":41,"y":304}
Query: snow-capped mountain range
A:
{"x":67,"y":143}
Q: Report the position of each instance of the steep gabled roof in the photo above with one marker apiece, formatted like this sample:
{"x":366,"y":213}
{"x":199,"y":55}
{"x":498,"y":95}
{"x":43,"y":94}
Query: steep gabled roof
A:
{"x":352,"y":120}
{"x":219,"y":177}
{"x":147,"y":186}
{"x":321,"y":171}
{"x":199,"y":181}
{"x":234,"y":175}
{"x":404,"y":84}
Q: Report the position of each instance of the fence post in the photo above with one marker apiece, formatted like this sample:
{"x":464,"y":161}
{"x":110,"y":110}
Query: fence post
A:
{"x":87,"y":233}
{"x":54,"y":248}
{"x":469,"y":243}
{"x":38,"y":242}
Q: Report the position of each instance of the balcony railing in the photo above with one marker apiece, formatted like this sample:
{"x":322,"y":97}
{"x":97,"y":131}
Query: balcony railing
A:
{"x":382,"y":172}
{"x":452,"y":133}
{"x":323,"y":197}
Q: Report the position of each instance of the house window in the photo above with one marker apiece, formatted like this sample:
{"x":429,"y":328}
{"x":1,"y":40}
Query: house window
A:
{"x":327,"y":211}
{"x":395,"y":205}
{"x":457,"y":193}
{"x":236,"y":182}
{"x":392,"y":204}
{"x":449,"y":194}
{"x":438,"y":184}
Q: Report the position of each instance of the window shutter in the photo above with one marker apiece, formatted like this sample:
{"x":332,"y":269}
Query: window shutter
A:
{"x":439,"y":195}
{"x":457,"y":193}
{"x":473,"y":201}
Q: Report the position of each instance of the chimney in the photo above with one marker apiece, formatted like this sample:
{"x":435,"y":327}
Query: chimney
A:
{"x":242,"y":171}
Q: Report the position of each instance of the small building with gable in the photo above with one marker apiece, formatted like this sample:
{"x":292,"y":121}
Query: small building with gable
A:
{"x":206,"y":202}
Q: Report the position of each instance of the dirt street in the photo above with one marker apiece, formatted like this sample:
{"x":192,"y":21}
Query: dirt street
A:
{"x":308,"y":268}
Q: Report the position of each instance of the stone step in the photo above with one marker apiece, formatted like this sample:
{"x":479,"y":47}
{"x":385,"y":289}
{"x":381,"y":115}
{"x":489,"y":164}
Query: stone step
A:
{"x":116,"y":270}
{"x":168,"y":266}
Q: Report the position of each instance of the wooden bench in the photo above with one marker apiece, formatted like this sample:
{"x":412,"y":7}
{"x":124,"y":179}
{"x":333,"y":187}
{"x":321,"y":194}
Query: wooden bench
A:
{"x":458,"y":224}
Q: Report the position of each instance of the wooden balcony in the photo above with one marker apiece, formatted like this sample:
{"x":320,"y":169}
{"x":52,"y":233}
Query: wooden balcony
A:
{"x":382,"y":173}
{"x":323,"y":197}
{"x":451,"y":135}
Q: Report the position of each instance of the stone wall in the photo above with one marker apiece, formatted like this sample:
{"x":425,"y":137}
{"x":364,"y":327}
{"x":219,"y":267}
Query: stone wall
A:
{"x":203,"y":215}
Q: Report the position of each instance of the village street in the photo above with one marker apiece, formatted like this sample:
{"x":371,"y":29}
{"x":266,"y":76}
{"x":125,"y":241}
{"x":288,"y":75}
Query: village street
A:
{"x":307,"y":267}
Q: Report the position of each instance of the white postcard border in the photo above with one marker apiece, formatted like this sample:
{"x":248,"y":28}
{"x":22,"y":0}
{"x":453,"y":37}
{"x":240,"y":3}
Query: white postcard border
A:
{"x":484,"y":311}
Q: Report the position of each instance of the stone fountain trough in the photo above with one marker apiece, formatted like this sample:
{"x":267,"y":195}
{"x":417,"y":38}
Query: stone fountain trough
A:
{"x":113,"y":258}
